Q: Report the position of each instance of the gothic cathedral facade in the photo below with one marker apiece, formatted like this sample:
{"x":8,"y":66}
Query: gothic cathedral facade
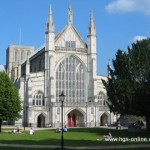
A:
{"x":64,"y":63}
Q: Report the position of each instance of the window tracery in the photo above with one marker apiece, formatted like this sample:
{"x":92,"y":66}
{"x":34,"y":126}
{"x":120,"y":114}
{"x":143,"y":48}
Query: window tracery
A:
{"x":70,"y":78}
{"x":38,"y":99}
{"x":101,"y":99}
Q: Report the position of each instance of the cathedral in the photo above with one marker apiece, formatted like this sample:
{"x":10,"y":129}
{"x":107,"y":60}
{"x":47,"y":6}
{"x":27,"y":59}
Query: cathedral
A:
{"x":64,"y":63}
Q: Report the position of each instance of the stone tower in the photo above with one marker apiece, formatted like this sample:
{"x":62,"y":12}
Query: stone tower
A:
{"x":15,"y":56}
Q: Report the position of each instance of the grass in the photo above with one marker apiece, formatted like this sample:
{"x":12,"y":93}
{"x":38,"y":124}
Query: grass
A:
{"x":74,"y":137}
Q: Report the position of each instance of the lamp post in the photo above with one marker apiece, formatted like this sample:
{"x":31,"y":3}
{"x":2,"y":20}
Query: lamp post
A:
{"x":62,"y":97}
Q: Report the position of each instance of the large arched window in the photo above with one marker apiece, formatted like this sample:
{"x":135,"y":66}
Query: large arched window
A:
{"x":101,"y":99}
{"x":38,"y":99}
{"x":70,"y":77}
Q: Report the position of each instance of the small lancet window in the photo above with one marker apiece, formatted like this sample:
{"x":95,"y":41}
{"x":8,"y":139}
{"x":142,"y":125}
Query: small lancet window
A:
{"x":70,"y":44}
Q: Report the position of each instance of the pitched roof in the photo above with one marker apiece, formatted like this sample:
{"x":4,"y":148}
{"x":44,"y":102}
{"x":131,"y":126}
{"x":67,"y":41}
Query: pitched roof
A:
{"x":67,"y":27}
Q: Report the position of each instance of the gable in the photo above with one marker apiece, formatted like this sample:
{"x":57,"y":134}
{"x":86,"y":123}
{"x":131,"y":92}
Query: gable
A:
{"x":69,"y":37}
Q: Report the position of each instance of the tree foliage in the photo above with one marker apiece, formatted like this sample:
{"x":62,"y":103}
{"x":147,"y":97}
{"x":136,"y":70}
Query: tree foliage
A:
{"x":10,"y":105}
{"x":128,"y":87}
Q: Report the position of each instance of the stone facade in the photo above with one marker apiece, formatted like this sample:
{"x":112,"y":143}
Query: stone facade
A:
{"x":64,"y":63}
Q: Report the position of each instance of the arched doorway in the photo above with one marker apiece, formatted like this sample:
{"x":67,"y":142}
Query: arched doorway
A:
{"x":41,"y":121}
{"x":104,"y":119}
{"x":75,"y":119}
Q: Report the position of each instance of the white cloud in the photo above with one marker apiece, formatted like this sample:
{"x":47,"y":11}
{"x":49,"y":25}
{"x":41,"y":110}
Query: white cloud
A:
{"x":138,"y":38}
{"x":2,"y":68}
{"x":129,"y":6}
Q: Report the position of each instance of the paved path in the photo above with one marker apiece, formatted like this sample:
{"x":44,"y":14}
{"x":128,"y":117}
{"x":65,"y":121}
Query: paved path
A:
{"x":81,"y":147}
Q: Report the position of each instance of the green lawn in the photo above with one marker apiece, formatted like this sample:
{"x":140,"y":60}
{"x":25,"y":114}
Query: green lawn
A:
{"x":74,"y":137}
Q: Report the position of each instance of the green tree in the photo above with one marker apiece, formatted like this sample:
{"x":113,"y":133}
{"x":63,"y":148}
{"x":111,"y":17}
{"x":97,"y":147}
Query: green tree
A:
{"x":10,"y":105}
{"x":128,"y":87}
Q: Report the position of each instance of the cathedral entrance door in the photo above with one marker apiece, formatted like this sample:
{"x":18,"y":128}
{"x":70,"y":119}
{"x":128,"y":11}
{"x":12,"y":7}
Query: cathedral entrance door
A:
{"x":41,"y":121}
{"x":75,"y":119}
{"x":104,"y":120}
{"x":69,"y":121}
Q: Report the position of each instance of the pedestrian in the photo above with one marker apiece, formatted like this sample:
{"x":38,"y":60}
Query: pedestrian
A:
{"x":31,"y":131}
{"x":65,"y":129}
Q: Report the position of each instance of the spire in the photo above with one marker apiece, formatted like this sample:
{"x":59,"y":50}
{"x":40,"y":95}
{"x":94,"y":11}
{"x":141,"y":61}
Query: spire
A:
{"x":50,"y":24}
{"x":70,"y":15}
{"x":92,"y":29}
{"x":109,"y":69}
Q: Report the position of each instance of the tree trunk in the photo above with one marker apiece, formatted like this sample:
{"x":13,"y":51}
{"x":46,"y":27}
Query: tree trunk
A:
{"x":148,"y":122}
{"x":0,"y":126}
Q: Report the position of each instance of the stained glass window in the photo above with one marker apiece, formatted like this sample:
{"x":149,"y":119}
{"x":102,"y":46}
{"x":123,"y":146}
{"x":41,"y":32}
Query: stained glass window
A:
{"x":71,"y":80}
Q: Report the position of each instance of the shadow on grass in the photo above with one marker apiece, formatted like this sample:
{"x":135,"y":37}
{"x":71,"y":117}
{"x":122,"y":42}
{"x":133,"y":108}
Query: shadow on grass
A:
{"x":116,"y":133}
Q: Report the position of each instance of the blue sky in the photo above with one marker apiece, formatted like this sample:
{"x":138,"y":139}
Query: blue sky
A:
{"x":118,"y":23}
